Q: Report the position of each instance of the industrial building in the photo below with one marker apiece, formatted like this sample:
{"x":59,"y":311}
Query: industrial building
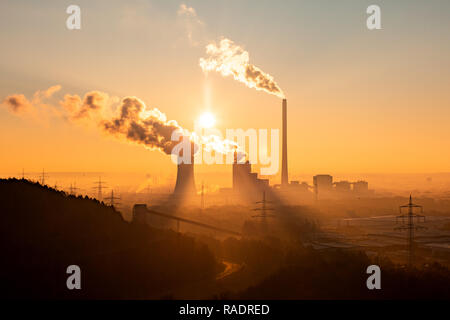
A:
{"x":323,"y":184}
{"x":185,"y":178}
{"x":324,"y":187}
{"x":361,"y":187}
{"x":343,"y":186}
{"x":245,"y":181}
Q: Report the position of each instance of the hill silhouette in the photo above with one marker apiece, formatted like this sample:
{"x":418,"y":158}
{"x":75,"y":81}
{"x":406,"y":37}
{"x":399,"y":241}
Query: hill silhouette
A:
{"x":336,"y":274}
{"x":43,"y":231}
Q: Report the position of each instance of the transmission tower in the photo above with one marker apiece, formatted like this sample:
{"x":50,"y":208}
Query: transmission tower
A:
{"x":43,"y":177}
{"x":410,"y":226}
{"x":99,"y":187}
{"x":263,"y":208}
{"x":112,"y":199}
{"x":73,"y":189}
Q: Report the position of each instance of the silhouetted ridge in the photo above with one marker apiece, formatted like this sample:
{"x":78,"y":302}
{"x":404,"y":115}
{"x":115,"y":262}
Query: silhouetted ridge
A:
{"x":341,"y":275}
{"x":44,"y":231}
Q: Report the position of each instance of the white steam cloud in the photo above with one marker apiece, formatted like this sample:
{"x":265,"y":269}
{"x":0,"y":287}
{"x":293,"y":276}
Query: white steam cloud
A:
{"x":192,"y":24}
{"x":229,"y":59}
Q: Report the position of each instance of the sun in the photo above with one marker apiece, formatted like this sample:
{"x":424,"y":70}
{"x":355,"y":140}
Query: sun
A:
{"x":207,"y":120}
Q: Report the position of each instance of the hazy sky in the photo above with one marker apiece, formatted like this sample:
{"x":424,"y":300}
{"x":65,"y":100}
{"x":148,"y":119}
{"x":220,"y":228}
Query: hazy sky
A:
{"x":358,"y":100}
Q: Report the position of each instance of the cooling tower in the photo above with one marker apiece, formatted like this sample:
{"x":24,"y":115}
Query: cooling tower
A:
{"x":185,"y":178}
{"x":284,"y":161}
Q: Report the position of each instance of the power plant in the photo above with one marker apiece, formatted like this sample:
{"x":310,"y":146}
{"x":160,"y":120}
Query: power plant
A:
{"x":247,"y":183}
{"x":243,"y":178}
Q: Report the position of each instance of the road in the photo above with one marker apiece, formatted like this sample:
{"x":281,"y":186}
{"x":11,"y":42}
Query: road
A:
{"x":230,"y":268}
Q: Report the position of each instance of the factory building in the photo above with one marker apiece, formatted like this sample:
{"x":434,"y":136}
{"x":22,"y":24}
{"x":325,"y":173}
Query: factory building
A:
{"x":323,"y":182}
{"x":361,"y":187}
{"x":343,"y":186}
{"x":298,"y":186}
{"x":245,"y":181}
{"x":323,"y":185}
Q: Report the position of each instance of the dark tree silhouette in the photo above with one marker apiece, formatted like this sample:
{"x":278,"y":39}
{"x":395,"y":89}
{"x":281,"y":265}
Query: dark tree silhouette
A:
{"x":43,"y":231}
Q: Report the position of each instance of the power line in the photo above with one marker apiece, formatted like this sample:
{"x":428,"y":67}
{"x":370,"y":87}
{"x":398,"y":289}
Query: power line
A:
{"x":138,"y":211}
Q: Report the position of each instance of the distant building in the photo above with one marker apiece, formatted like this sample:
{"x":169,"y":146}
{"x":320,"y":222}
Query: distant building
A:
{"x":245,"y":181}
{"x":323,"y":185}
{"x":300,"y":187}
{"x":343,"y":186}
{"x":323,"y":182}
{"x":361,"y":187}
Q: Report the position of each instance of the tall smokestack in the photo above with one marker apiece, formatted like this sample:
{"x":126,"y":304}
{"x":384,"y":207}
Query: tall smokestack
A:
{"x":185,"y":178}
{"x":284,"y":163}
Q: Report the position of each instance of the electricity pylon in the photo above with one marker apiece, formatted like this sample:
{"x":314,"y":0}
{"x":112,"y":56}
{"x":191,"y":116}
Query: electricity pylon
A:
{"x":112,"y":199}
{"x":43,"y":178}
{"x":410,"y":226}
{"x":263,"y":208}
{"x":100,"y":186}
{"x":73,"y":189}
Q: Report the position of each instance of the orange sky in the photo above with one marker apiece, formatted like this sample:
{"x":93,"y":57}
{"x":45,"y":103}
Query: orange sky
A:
{"x":358,"y":100}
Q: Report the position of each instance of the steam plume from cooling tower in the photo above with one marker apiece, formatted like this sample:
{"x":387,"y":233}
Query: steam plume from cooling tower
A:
{"x":18,"y":103}
{"x":138,"y":124}
{"x":230,"y":59}
{"x":151,"y":128}
{"x":134,"y":122}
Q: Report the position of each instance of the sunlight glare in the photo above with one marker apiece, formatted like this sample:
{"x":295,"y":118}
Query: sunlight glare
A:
{"x":207,"y":120}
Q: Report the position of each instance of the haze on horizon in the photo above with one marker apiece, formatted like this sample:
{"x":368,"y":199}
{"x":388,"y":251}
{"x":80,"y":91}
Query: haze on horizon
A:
{"x":358,"y":100}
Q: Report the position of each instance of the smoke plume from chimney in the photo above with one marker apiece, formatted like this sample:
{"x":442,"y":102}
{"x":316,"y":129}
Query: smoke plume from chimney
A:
{"x":230,"y":59}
